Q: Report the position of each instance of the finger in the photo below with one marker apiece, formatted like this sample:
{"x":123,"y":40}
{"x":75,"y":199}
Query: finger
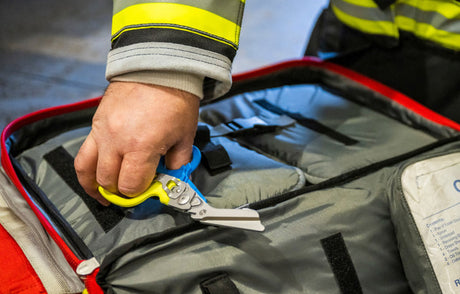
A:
{"x":178,"y":156}
{"x":137,"y":172}
{"x":108,"y":168}
{"x":85,"y":167}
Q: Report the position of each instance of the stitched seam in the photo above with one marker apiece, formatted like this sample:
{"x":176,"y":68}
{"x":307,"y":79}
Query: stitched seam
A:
{"x":169,"y":48}
{"x":170,"y":55}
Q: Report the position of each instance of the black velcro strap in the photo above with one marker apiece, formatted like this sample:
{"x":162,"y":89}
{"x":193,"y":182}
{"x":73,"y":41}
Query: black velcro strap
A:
{"x":308,"y":123}
{"x":341,"y":264}
{"x":383,"y":4}
{"x":220,"y":284}
{"x":62,"y":162}
{"x":214,"y":157}
{"x":251,"y":132}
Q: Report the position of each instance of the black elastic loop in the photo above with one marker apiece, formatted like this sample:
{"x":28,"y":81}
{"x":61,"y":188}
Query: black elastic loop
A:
{"x":308,"y":123}
{"x":214,"y":157}
{"x":202,"y":136}
{"x":220,"y":284}
{"x":62,"y":162}
{"x":341,"y":264}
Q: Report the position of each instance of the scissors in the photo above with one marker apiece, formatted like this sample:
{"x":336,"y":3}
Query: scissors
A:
{"x":175,"y":188}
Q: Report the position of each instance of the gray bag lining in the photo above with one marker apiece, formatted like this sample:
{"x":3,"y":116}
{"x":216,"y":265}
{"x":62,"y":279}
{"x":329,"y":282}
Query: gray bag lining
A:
{"x":287,"y":242}
{"x":319,"y":156}
{"x":287,"y":258}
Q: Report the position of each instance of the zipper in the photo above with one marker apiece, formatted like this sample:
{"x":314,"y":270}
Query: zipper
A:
{"x":63,"y":277}
{"x":72,"y":239}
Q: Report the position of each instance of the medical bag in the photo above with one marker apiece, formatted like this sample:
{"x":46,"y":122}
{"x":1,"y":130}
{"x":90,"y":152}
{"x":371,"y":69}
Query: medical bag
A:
{"x":357,"y":186}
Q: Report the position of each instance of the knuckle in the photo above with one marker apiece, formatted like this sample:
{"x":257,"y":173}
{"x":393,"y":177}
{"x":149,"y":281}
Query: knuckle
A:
{"x":80,"y":165}
{"x":105,"y":180}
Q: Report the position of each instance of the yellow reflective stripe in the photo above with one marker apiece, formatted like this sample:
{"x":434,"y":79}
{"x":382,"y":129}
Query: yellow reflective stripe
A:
{"x":178,"y":16}
{"x":387,"y":28}
{"x":428,"y":32}
{"x":362,"y":3}
{"x":448,"y":8}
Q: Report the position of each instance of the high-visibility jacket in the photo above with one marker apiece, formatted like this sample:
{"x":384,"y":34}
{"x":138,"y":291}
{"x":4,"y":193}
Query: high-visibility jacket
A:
{"x":197,"y":38}
{"x":435,"y":21}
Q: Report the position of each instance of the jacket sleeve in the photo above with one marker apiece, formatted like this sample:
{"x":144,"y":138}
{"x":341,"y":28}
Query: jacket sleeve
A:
{"x":195,"y":39}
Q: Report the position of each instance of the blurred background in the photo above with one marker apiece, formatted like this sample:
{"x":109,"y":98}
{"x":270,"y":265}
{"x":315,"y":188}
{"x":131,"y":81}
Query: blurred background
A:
{"x":53,"y":52}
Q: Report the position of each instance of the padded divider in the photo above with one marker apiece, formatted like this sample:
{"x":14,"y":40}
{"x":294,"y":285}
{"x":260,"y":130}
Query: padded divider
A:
{"x":253,"y":177}
{"x":319,"y":156}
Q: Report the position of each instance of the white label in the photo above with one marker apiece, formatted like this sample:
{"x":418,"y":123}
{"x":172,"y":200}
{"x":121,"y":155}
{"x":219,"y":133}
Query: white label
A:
{"x":432,"y":190}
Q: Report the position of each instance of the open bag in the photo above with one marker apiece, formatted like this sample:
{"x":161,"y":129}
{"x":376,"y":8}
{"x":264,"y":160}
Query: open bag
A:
{"x":357,"y":185}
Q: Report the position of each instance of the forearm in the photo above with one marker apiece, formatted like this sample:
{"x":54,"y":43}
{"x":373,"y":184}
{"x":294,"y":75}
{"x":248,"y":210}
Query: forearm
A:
{"x":190,"y":37}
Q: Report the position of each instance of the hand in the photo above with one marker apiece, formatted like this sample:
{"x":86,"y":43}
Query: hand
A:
{"x":134,"y":125}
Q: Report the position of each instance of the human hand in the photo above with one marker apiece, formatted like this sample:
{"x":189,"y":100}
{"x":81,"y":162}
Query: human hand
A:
{"x":134,"y":125}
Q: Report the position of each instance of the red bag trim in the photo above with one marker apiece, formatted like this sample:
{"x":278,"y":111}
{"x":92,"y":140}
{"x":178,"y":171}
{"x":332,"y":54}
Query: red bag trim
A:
{"x":73,"y":260}
{"x":91,"y":285}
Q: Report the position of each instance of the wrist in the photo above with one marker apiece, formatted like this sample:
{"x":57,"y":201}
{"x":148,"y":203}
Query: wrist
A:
{"x":186,"y":82}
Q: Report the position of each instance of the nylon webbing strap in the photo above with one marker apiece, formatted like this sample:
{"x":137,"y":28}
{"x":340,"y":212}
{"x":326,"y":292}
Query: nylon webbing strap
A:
{"x":308,"y":123}
{"x":220,"y":284}
{"x":62,"y":162}
{"x":214,"y":157}
{"x":341,"y":264}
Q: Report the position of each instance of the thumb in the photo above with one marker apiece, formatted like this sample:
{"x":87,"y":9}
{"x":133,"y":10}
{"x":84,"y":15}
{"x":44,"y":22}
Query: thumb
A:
{"x":178,"y":156}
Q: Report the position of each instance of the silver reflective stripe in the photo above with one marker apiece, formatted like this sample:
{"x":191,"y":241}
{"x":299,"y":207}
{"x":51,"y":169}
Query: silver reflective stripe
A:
{"x":366,"y":17}
{"x":433,"y":18}
{"x":364,"y":13}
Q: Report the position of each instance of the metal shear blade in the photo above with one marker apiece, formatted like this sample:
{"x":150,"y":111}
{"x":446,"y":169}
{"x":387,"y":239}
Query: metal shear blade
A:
{"x":187,"y":199}
{"x":236,"y":218}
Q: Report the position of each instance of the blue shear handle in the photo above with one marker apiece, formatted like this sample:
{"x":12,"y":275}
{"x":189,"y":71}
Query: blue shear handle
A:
{"x":185,"y":171}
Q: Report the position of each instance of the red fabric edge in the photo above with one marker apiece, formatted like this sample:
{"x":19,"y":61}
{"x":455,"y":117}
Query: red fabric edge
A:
{"x":388,"y":92}
{"x":73,"y":260}
{"x":91,"y":285}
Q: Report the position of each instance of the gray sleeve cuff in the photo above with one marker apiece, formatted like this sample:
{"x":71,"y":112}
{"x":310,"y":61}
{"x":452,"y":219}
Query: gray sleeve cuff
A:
{"x":169,"y":57}
{"x":182,"y":81}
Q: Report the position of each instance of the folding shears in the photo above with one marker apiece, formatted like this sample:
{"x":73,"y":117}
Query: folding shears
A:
{"x":174,"y":188}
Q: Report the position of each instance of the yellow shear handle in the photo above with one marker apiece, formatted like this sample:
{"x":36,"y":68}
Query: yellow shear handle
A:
{"x":155,"y":190}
